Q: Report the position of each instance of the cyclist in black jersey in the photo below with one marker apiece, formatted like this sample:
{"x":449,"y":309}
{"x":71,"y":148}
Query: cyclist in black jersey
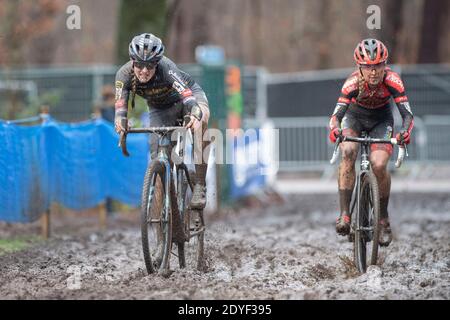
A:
{"x":170,"y":93}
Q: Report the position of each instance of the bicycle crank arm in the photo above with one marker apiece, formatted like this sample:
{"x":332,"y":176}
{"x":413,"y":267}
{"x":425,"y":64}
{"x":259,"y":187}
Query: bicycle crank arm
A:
{"x":195,"y":233}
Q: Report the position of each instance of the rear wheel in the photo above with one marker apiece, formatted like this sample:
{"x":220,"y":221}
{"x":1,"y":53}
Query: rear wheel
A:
{"x":199,"y":226}
{"x":367,"y":223}
{"x":192,"y":250}
{"x":182,"y":199}
{"x":156,"y":220}
{"x":195,"y":247}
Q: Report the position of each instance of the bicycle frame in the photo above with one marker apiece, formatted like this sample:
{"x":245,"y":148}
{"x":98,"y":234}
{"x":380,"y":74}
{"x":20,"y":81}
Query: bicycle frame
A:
{"x":163,"y":158}
{"x":182,"y":167}
{"x":164,"y":143}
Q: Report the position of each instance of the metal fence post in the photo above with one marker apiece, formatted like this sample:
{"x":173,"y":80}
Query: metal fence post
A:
{"x":261,"y":95}
{"x":97,"y":82}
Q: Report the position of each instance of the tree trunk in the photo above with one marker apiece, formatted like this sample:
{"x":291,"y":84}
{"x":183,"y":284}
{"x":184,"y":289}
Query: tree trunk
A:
{"x":393,"y":24}
{"x":431,"y":33}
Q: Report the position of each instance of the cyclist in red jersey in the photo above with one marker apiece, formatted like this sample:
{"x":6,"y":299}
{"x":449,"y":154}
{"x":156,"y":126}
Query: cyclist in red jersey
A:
{"x":364,"y":106}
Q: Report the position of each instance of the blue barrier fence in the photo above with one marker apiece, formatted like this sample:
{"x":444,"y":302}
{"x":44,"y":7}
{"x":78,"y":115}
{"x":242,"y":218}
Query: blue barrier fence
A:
{"x":79,"y":165}
{"x":76,"y":165}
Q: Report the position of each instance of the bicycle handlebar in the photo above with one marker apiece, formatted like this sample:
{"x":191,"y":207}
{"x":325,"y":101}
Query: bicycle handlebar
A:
{"x":401,"y":153}
{"x":157,"y":130}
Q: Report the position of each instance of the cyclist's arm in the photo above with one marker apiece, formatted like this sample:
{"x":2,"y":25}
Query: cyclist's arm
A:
{"x":184,"y":85}
{"x":397,"y":89}
{"x":122,"y":85}
{"x":338,"y":114}
{"x":348,"y":92}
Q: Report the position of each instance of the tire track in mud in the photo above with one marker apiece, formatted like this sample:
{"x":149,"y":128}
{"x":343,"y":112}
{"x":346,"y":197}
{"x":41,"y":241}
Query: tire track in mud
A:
{"x":287,"y":251}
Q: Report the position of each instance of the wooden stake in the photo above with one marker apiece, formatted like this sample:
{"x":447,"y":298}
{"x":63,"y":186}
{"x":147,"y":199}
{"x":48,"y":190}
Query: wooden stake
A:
{"x":103,"y":215}
{"x":45,"y":224}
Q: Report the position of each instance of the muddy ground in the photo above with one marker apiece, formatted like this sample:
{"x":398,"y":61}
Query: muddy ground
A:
{"x":287,"y":251}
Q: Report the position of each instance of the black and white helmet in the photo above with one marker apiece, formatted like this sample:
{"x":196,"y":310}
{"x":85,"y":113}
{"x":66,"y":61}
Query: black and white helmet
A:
{"x":146,"y":48}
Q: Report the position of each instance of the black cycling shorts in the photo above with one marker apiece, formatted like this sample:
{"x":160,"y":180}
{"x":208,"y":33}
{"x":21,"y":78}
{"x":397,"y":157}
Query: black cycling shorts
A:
{"x":377,"y":123}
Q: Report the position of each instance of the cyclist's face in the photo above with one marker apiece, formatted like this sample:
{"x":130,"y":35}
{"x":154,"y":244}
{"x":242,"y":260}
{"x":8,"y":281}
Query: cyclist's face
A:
{"x":144,"y":72}
{"x":373,"y":74}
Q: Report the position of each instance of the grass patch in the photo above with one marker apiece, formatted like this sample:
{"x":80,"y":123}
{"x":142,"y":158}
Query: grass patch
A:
{"x":350,"y":269}
{"x":17,"y":244}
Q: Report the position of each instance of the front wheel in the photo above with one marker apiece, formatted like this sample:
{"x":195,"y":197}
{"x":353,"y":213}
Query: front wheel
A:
{"x":156,"y":220}
{"x":367,"y":229}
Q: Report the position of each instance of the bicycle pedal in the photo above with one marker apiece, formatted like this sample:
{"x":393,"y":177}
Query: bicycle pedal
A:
{"x":166,"y":273}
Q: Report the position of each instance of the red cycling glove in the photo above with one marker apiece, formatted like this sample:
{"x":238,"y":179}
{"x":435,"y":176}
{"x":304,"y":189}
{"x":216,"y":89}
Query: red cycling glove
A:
{"x":334,"y":133}
{"x":334,"y":129}
{"x":404,"y":137}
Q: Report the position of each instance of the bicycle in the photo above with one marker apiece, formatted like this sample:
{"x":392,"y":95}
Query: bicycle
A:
{"x":162,"y":208}
{"x":365,"y":202}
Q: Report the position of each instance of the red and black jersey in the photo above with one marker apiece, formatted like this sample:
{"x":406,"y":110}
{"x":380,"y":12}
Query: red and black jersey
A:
{"x":374,"y":98}
{"x":392,"y":86}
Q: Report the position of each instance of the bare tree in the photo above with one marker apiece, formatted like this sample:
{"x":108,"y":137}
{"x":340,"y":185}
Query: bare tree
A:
{"x":434,"y":15}
{"x":393,"y":25}
{"x":21,"y":22}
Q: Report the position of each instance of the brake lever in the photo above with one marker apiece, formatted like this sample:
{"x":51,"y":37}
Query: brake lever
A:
{"x":186,"y":119}
{"x":335,"y":156}
{"x":123,"y":137}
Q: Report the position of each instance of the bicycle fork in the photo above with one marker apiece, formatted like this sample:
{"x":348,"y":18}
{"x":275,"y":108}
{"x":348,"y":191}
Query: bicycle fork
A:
{"x":364,"y":169}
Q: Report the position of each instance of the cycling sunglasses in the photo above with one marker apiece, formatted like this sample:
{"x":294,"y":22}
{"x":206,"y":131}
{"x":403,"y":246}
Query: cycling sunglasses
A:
{"x":372,"y":66}
{"x":142,"y":65}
